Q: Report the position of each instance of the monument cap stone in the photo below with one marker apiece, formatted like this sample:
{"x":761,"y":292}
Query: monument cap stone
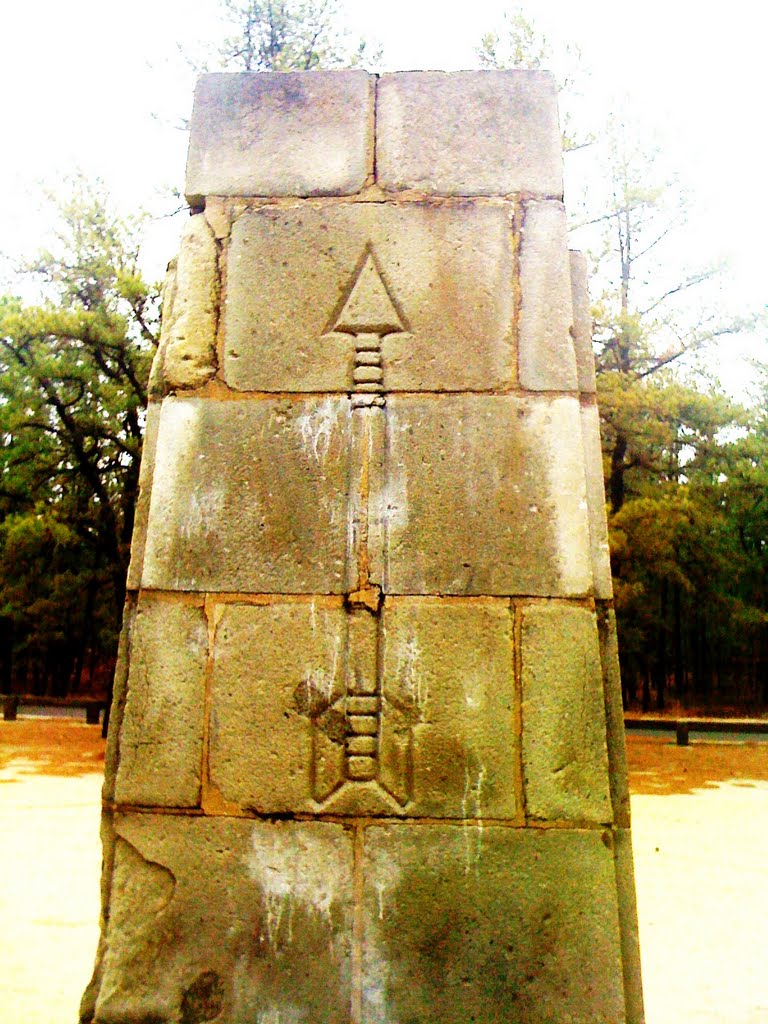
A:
{"x":470,"y":133}
{"x":283,"y":134}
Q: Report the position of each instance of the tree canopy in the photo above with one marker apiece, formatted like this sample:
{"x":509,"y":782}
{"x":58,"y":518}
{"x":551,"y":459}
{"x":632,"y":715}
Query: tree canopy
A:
{"x":73,"y":374}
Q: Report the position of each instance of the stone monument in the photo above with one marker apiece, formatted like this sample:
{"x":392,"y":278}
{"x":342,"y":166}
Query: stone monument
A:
{"x":366,"y":758}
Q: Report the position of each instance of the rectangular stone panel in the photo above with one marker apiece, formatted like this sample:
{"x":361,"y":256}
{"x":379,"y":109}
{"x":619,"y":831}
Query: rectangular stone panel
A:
{"x":498,"y":924}
{"x":249,"y":496}
{"x":547,"y":358}
{"x":315,"y":707}
{"x":484,"y":495}
{"x":468,"y":133}
{"x":449,"y":744}
{"x":289,"y":134}
{"x":161,"y":732}
{"x":227,"y":920}
{"x":277,"y":705}
{"x":433,"y":281}
{"x":565,"y":758}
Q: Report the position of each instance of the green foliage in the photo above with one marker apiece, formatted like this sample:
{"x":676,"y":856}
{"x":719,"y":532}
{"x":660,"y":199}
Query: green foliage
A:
{"x":73,"y":374}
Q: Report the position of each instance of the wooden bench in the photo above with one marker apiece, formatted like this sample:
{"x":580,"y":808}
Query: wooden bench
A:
{"x":684,"y":726}
{"x":12,"y":702}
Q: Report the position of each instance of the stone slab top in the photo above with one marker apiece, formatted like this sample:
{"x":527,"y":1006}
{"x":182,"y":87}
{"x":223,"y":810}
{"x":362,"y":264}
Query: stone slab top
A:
{"x":280,"y":134}
{"x":331,"y":133}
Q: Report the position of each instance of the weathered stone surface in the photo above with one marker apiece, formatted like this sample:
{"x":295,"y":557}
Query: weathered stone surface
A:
{"x":546,"y":357}
{"x":445,"y":288}
{"x":277,"y":719}
{"x":219,"y":919}
{"x":485,"y":495}
{"x":305,"y":712}
{"x":582,"y":323}
{"x":449,"y":745}
{"x":468,"y":133}
{"x":490,"y":924}
{"x":565,"y":761}
{"x":290,"y":134}
{"x":156,"y":386}
{"x":141,"y":514}
{"x":249,"y":496}
{"x":190,"y":310}
{"x":614,"y":714}
{"x":598,"y":527}
{"x":161,"y":733}
{"x":630,"y":937}
{"x":119,"y":693}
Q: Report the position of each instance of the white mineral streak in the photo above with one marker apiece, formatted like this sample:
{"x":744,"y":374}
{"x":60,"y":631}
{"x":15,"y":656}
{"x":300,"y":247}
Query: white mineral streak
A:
{"x":389,"y":505}
{"x":411,"y":680}
{"x":294,"y":872}
{"x":377,"y":966}
{"x":472,"y":808}
{"x":317,"y":678}
{"x":558,"y":423}
{"x":317,"y":428}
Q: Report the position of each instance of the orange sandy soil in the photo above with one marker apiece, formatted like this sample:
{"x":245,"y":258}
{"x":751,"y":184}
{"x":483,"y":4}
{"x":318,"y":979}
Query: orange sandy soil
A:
{"x":700,"y":820}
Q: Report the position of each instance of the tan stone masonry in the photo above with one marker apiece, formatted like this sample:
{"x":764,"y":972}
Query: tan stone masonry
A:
{"x":366,"y":760}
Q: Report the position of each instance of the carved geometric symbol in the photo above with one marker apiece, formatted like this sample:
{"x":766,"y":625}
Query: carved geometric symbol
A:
{"x":368,"y":314}
{"x":369,"y":308}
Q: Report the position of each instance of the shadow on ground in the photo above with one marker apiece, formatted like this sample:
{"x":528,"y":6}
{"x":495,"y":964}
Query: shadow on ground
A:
{"x":658,"y":767}
{"x":56,"y":748}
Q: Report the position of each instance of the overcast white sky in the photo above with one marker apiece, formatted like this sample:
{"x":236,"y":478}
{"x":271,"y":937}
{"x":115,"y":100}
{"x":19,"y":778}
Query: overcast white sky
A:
{"x":98,"y":84}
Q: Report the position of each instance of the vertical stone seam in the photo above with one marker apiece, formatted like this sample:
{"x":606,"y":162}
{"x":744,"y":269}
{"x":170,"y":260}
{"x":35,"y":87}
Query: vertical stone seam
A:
{"x":358,"y":926}
{"x":516,"y":616}
{"x":516,"y":238}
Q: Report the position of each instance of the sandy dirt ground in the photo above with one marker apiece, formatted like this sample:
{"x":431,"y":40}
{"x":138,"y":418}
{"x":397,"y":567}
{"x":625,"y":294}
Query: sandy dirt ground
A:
{"x":700,"y":836}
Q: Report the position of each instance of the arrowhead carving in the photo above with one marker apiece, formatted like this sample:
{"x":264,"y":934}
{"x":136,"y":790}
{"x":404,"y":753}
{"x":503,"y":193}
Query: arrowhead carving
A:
{"x":369,"y":307}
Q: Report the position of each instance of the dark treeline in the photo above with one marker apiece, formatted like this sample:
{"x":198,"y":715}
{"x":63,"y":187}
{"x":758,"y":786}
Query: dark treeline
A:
{"x":73,"y":375}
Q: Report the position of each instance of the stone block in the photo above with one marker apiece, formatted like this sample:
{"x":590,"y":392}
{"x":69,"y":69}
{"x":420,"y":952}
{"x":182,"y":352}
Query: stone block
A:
{"x":229,"y":920}
{"x":498,"y":924}
{"x":582,"y":324}
{"x":546,"y":356}
{"x":449,"y":745}
{"x":277,"y":705}
{"x":630,"y":936}
{"x":614,"y":714}
{"x":317,"y":707}
{"x":468,"y":133}
{"x":141,"y":514}
{"x":161,"y":733}
{"x":249,"y":496}
{"x":289,"y":134}
{"x":190,"y":310}
{"x":436,"y":279}
{"x":119,"y":693}
{"x":485,"y":495}
{"x":598,"y":526}
{"x":156,"y":387}
{"x":565,"y":760}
